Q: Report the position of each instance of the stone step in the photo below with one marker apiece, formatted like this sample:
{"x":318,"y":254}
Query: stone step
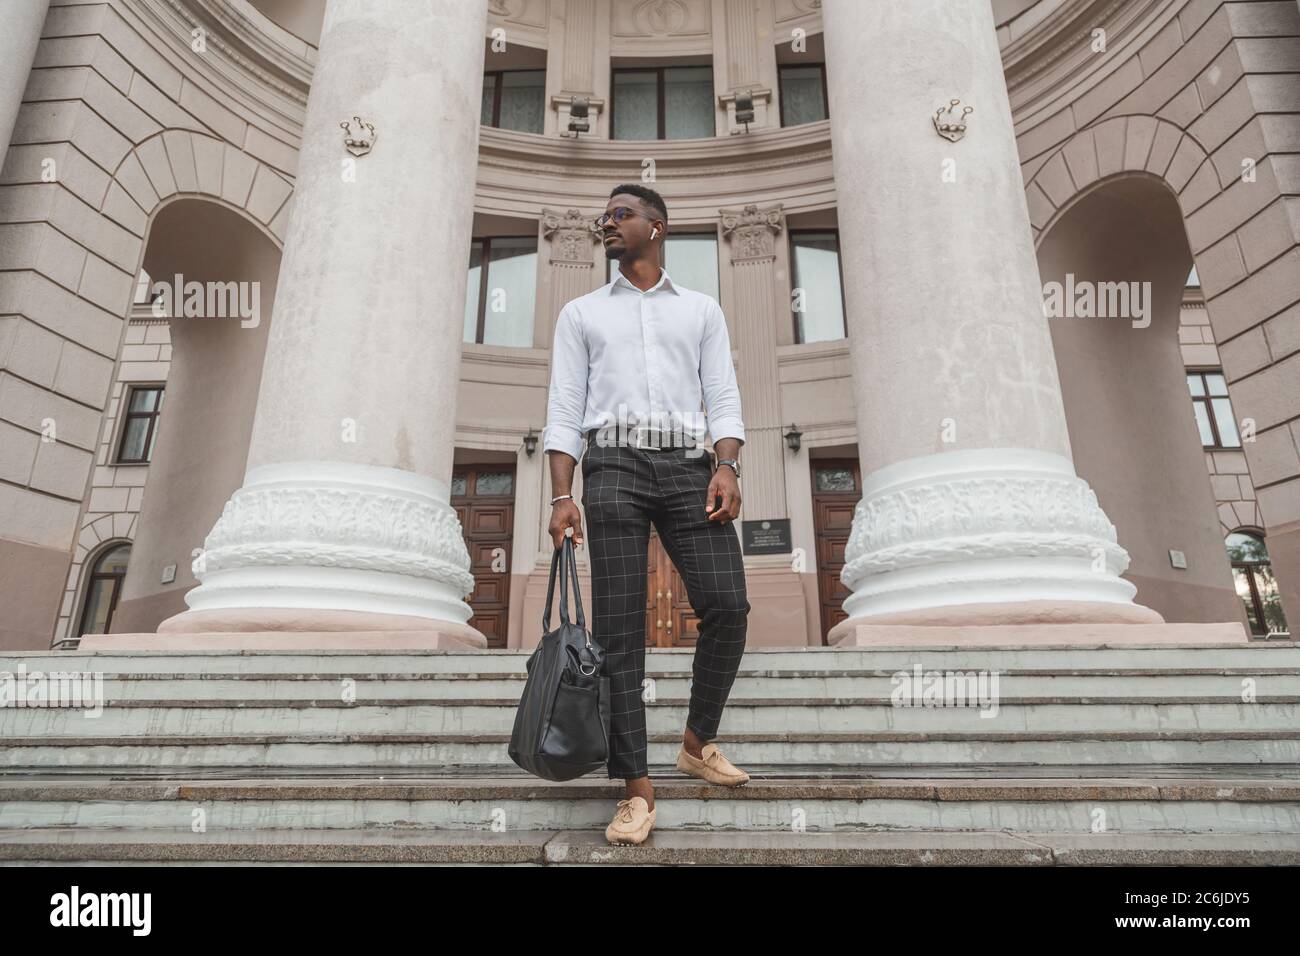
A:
{"x":854,"y":751}
{"x":1226,"y":684}
{"x":773,"y":804}
{"x":186,"y":718}
{"x":669,"y":847}
{"x":1208,"y":658}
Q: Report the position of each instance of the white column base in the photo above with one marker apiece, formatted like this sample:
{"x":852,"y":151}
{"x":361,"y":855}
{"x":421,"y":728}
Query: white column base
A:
{"x":331,"y":536}
{"x":999,"y":526}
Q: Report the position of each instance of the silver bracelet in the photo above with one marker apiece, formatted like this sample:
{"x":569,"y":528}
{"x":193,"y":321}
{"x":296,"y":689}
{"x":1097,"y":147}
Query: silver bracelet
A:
{"x":561,"y":498}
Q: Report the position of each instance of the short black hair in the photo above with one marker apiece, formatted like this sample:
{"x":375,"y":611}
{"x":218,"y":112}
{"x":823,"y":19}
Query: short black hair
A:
{"x":646,"y":194}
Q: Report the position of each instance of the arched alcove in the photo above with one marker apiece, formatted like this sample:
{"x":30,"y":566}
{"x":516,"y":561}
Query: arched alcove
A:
{"x":1130,"y":418}
{"x":212,"y":386}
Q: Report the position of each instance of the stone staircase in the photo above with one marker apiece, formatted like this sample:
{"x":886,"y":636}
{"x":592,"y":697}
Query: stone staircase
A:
{"x":1092,"y":755}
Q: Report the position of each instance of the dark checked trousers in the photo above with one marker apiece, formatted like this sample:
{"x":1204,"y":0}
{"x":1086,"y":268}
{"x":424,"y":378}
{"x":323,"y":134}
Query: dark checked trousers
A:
{"x":624,"y":489}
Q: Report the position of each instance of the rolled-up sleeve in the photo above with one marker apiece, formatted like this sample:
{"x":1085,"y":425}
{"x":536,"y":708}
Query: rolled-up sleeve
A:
{"x":718,"y":380}
{"x":567,"y":403}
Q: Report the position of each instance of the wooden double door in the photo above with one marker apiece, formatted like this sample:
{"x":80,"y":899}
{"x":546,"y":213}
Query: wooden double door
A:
{"x":669,"y":619}
{"x":837,"y":488}
{"x":483,"y":497}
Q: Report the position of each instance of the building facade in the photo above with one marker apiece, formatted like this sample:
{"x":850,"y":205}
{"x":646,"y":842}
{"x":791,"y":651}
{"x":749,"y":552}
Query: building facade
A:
{"x":350,"y":437}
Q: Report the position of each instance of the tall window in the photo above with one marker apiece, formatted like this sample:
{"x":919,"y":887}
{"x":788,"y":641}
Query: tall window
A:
{"x":1213,"y":409}
{"x":500,"y":294}
{"x":1252,"y":574}
{"x":514,"y":99}
{"x":818,"y":300}
{"x":103,"y":587}
{"x":140,"y":428}
{"x":666,"y":102}
{"x":691,"y":258}
{"x":803,"y":93}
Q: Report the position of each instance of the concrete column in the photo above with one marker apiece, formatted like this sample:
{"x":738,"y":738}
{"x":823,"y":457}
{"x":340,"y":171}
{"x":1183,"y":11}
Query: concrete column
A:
{"x":23,"y":21}
{"x":343,"y":521}
{"x":751,"y":233}
{"x":572,"y":238}
{"x":971,"y":511}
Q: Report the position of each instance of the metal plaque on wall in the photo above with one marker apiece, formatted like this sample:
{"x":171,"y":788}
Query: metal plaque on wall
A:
{"x":768,"y":536}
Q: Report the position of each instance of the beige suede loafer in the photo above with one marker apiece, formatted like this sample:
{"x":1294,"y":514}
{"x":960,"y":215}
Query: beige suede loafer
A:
{"x":632,"y":822}
{"x":714,"y":767}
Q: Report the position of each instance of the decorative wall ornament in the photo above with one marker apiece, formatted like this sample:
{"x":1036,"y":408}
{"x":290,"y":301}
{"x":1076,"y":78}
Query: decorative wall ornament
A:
{"x":501,"y":8}
{"x":362,"y":140}
{"x":572,"y":235}
{"x":753,"y":231}
{"x":660,"y":17}
{"x":950,"y":124}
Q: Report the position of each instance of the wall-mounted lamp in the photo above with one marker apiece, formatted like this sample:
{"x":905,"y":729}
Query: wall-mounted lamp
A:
{"x":578,"y":116}
{"x":530,"y":442}
{"x":792,"y":439}
{"x":745,"y":108}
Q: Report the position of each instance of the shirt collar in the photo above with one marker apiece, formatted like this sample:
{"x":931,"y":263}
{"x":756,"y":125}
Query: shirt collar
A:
{"x":665,"y":282}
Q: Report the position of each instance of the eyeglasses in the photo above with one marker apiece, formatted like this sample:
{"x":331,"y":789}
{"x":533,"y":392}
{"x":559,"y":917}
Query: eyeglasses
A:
{"x":618,"y":215}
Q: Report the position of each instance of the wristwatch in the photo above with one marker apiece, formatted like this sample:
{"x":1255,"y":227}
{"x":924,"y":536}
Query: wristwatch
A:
{"x":735,"y":465}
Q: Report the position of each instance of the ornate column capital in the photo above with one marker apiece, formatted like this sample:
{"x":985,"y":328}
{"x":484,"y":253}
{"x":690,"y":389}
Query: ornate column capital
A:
{"x":752,"y":231}
{"x":572,"y":234}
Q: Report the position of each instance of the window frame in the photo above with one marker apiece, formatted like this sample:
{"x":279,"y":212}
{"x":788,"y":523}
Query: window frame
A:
{"x":1248,"y":568}
{"x":1205,"y":399}
{"x":839,"y":262}
{"x":660,"y":114}
{"x":125,"y":415}
{"x":93,"y":575}
{"x":499,"y":85}
{"x":826,"y":99}
{"x":485,"y":263}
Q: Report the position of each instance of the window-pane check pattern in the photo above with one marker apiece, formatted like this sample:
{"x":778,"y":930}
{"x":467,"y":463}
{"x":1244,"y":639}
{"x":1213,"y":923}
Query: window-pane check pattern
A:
{"x":623,"y":490}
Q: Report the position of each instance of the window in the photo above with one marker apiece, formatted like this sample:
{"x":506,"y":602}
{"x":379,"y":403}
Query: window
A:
{"x":1213,"y":409}
{"x":818,"y":299}
{"x":803,"y":93}
{"x":667,"y":102}
{"x":1252,"y":573}
{"x":691,"y":258}
{"x":514,"y":99}
{"x":140,"y":428}
{"x":500,"y":298}
{"x":103,"y":588}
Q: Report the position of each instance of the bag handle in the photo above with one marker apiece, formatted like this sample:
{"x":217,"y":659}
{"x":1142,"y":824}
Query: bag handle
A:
{"x":565,"y":560}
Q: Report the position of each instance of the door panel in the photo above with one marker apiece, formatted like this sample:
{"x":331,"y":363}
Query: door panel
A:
{"x":837,"y":488}
{"x":483,"y":499}
{"x":670,"y":620}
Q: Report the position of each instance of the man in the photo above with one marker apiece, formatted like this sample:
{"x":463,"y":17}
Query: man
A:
{"x":631,"y":366}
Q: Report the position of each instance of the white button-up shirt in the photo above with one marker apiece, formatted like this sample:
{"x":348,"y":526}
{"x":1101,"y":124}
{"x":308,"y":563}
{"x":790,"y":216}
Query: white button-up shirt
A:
{"x":658,"y":358}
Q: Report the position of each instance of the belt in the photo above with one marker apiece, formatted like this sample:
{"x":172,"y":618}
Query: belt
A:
{"x":645,"y":437}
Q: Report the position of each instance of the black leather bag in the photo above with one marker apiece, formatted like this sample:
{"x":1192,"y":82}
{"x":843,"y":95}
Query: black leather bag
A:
{"x":562,"y":726}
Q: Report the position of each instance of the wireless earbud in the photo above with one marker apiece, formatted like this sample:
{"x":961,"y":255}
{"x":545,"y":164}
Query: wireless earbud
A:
{"x":653,"y":233}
